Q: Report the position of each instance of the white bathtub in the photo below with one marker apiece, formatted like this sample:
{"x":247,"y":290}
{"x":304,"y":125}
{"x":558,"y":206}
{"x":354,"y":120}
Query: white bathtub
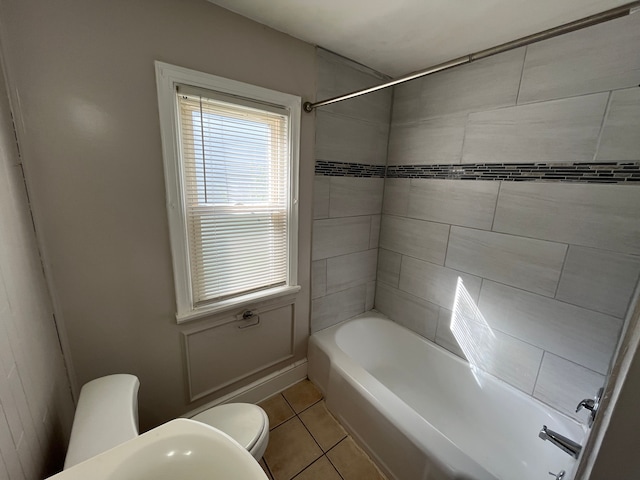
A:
{"x":421,"y":413}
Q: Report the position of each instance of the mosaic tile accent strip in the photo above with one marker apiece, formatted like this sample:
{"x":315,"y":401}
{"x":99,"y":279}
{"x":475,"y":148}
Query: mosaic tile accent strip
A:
{"x":603,"y":172}
{"x":339,"y":169}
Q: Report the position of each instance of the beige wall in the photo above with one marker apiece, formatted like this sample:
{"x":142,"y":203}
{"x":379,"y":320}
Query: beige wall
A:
{"x":36,"y":408}
{"x":82,"y":74}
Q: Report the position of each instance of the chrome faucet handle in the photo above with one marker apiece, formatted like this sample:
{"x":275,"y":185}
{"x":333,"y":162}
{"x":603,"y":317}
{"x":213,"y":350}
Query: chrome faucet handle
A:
{"x":588,"y":403}
{"x":560,"y":475}
{"x":591,"y":404}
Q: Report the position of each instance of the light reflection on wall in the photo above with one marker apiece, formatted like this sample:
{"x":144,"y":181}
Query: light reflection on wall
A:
{"x":472,"y":332}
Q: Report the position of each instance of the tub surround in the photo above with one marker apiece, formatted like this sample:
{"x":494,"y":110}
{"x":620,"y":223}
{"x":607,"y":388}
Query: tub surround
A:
{"x":351,"y":147}
{"x":550,"y":257}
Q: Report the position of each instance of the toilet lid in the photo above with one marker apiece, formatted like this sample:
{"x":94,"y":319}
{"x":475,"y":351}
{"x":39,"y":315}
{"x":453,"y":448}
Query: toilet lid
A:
{"x":243,"y":422}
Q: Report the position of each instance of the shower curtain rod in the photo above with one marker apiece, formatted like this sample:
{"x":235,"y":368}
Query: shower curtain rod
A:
{"x":605,"y":16}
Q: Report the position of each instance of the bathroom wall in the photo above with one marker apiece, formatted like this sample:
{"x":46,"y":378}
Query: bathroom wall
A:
{"x":499,"y":172}
{"x":36,"y":408}
{"x":351,"y":150}
{"x":83,"y":81}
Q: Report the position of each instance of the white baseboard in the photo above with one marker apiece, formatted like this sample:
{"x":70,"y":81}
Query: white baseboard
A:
{"x":261,"y":389}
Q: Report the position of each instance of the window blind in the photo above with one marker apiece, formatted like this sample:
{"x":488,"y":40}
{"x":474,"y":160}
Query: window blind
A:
{"x":235,"y":184}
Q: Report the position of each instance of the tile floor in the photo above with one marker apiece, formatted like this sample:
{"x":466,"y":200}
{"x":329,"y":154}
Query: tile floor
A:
{"x":307,"y":443}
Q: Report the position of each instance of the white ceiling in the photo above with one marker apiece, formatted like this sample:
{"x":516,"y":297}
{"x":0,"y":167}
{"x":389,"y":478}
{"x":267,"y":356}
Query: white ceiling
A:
{"x":401,"y":36}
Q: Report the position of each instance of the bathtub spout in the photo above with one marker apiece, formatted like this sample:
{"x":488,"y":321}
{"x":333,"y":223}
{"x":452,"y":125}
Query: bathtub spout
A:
{"x":560,"y":441}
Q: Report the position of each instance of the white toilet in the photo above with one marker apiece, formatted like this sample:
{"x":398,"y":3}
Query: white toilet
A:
{"x":107,"y":415}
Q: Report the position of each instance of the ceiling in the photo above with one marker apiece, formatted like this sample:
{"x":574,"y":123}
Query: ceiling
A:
{"x":401,"y":36}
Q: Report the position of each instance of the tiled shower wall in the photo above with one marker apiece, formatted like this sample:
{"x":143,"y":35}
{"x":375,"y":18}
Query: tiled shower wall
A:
{"x":551,"y":264}
{"x":36,"y":409}
{"x":351,"y":152}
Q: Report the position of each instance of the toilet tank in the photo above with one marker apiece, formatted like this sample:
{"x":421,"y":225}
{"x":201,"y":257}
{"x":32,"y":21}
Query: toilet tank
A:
{"x":106,"y":416}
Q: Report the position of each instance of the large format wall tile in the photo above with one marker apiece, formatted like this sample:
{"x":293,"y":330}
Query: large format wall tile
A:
{"x":436,"y":140}
{"x":396,"y":196}
{"x":488,"y":83}
{"x":599,"y":58}
{"x":532,"y":265}
{"x":599,"y":280}
{"x":456,"y":202}
{"x":321,"y":186}
{"x":417,"y":238}
{"x":346,"y":139}
{"x":620,"y":138}
{"x":374,"y":235}
{"x":412,"y":312}
{"x":336,"y":307}
{"x":318,"y":278}
{"x":339,"y":236}
{"x":562,"y":384}
{"x":350,"y":270}
{"x":337,"y":76}
{"x":508,"y":358}
{"x":434,"y":283}
{"x":350,"y":196}
{"x":389,"y":267}
{"x":605,"y":216}
{"x":557,"y":131}
{"x":580,"y":335}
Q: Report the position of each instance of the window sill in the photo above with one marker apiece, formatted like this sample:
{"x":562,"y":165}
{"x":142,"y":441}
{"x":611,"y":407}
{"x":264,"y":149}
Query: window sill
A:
{"x":244,"y":300}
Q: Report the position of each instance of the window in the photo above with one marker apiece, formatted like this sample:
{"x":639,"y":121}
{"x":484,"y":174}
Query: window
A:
{"x":230,"y":156}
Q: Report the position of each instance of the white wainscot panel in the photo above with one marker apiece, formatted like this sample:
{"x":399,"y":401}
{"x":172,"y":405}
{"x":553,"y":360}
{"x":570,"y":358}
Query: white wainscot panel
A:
{"x":230,"y":350}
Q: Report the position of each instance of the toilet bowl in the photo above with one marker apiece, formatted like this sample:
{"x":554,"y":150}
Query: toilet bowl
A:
{"x":247,"y":424}
{"x":107,"y":415}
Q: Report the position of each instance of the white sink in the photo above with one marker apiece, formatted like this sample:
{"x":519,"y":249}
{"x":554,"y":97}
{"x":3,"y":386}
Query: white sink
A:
{"x":180,"y":449}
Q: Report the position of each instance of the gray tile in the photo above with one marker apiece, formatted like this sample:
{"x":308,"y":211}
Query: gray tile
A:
{"x":557,"y":131}
{"x":339,"y":236}
{"x":620,"y":138}
{"x":605,"y":216}
{"x":562,"y":384}
{"x":374,"y":236}
{"x":389,"y":267}
{"x":346,"y":139}
{"x":318,"y":278}
{"x":417,"y":238}
{"x":489,"y":83}
{"x":434,"y":283}
{"x":396,"y":196}
{"x":582,"y":336}
{"x":321,"y":186}
{"x":457,"y":202}
{"x":599,"y":280}
{"x":513,"y":361}
{"x":334,"y":308}
{"x":444,"y":335}
{"x":412,"y":312}
{"x":350,"y":270}
{"x":352,"y":196}
{"x":370,"y":297}
{"x":431,"y":141}
{"x":596,"y":59}
{"x":532,"y":265}
{"x":337,"y":76}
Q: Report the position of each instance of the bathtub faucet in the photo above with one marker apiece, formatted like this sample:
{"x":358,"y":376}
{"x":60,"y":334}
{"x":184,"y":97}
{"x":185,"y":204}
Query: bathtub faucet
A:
{"x":560,"y":441}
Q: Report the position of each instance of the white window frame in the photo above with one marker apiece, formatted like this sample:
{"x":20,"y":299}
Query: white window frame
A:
{"x":168,"y":77}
